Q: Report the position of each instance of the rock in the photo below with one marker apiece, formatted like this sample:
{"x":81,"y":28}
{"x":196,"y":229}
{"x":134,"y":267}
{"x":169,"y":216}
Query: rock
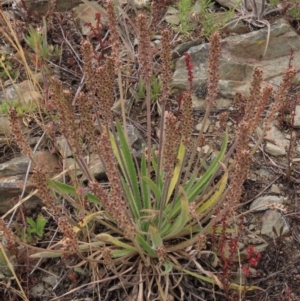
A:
{"x":275,"y":189}
{"x":63,"y":147}
{"x":272,"y":219}
{"x":237,"y":27}
{"x":264,"y":173}
{"x":236,"y":65}
{"x":136,"y":141}
{"x":199,"y":126}
{"x":95,"y":167}
{"x":140,"y":3}
{"x":297,"y":117}
{"x":200,"y":104}
{"x":274,"y":150}
{"x":181,"y":48}
{"x":41,"y":7}
{"x":4,"y":126}
{"x":229,"y":3}
{"x":12,"y":178}
{"x":275,"y":136}
{"x":24,"y":92}
{"x":261,"y":203}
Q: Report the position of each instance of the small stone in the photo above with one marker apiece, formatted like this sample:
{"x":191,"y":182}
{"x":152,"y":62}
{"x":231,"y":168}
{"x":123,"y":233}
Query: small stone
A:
{"x":275,"y":189}
{"x":63,"y":147}
{"x":297,"y":117}
{"x":272,"y":219}
{"x":199,"y":126}
{"x":140,"y":3}
{"x":251,"y":227}
{"x":4,"y":126}
{"x":264,"y":173}
{"x":261,"y":203}
{"x":274,"y":150}
{"x":201,"y":90}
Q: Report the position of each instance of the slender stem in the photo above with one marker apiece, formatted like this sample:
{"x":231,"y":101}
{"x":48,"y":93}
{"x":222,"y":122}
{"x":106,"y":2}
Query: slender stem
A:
{"x":123,"y":109}
{"x":161,"y":139}
{"x":163,"y":201}
{"x":148,"y":103}
{"x":194,"y":151}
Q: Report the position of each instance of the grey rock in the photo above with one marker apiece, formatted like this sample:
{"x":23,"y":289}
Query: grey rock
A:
{"x":136,"y":141}
{"x":272,"y":219}
{"x":181,"y":48}
{"x":240,"y":55}
{"x":4,"y":126}
{"x":297,"y":117}
{"x":96,"y":167}
{"x":261,"y":203}
{"x":274,"y":150}
{"x":264,"y":173}
{"x":23,"y":92}
{"x":199,"y":126}
{"x":228,"y":3}
{"x":14,"y":167}
{"x":275,"y":136}
{"x":237,"y":27}
{"x":12,"y":175}
{"x":63,"y":147}
{"x":275,"y":189}
{"x":200,"y":104}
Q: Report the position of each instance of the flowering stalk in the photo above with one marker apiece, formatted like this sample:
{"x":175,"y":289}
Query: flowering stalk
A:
{"x":146,"y":71}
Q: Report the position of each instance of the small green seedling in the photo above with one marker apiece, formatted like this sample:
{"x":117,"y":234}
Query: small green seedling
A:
{"x":6,"y":69}
{"x":37,"y":41}
{"x":155,"y":89}
{"x":21,"y":108}
{"x":36,"y":227}
{"x":185,"y":8}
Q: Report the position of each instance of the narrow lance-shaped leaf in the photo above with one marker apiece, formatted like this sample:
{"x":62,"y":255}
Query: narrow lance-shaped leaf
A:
{"x":211,"y":202}
{"x":155,"y":237}
{"x":201,"y":184}
{"x":181,"y":220}
{"x":108,"y":238}
{"x":133,"y":177}
{"x":68,"y":189}
{"x":177,"y":169}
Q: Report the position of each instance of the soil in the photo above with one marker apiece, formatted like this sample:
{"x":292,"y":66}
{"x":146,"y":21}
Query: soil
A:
{"x":278,"y":271}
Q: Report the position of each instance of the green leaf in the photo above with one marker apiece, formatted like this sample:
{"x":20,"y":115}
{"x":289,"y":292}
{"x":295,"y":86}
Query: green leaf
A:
{"x":154,"y":188}
{"x":68,"y":189}
{"x":158,"y":176}
{"x":155,"y":237}
{"x":201,"y":184}
{"x":108,"y":238}
{"x":122,"y":253}
{"x":146,"y":197}
{"x":144,"y":186}
{"x":31,"y":222}
{"x":130,"y":173}
{"x":177,"y":171}
{"x":211,"y":202}
{"x":168,"y":268}
{"x":181,"y":220}
{"x":40,"y":225}
{"x":145,"y":246}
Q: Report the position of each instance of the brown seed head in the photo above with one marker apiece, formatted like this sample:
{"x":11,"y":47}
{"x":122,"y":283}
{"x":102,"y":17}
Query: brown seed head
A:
{"x":144,"y":46}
